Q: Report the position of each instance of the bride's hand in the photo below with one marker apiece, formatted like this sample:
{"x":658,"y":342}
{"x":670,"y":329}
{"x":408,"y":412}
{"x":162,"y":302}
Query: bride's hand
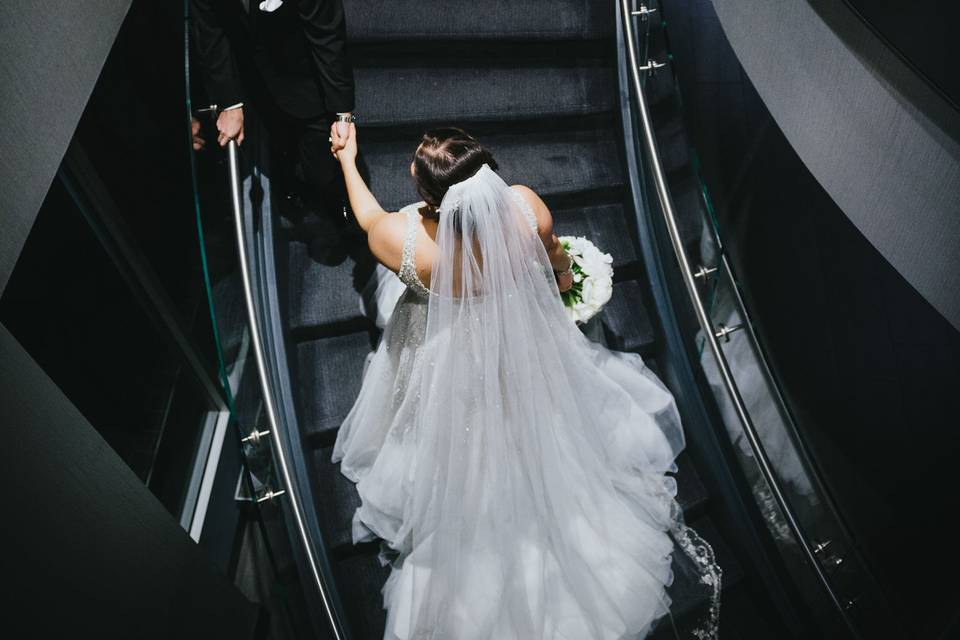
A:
{"x":343,"y":148}
{"x":565,"y":280}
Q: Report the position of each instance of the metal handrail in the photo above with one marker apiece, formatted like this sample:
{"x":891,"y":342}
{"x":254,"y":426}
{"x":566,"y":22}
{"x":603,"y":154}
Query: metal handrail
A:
{"x":266,"y":389}
{"x":666,"y":205}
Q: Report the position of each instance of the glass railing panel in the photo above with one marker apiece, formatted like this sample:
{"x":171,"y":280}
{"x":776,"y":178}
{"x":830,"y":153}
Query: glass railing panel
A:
{"x":259,"y":488}
{"x":777,"y":434}
{"x":821,"y":557}
{"x":86,"y":323}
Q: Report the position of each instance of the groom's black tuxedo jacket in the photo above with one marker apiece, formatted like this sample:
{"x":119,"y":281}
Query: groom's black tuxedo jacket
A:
{"x":296,"y":54}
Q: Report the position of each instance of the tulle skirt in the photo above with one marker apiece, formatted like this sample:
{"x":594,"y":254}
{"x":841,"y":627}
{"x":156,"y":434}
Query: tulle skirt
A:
{"x":554,"y":531}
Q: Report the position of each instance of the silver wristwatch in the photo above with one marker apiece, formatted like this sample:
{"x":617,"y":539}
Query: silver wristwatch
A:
{"x":346,"y":117}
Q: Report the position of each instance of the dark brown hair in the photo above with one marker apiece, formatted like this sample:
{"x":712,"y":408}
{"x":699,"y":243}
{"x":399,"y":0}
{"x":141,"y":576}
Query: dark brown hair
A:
{"x":446,"y":156}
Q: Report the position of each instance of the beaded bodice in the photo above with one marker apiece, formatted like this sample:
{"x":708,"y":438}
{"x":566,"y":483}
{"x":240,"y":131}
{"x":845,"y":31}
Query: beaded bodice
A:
{"x":408,"y":268}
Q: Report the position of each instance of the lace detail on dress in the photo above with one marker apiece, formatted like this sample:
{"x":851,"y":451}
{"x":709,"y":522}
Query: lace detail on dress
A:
{"x":705,"y":563}
{"x":526,"y":208}
{"x":408,"y":268}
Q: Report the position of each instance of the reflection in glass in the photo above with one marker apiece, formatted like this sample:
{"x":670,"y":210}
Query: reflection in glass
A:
{"x":77,"y":316}
{"x":820,"y":556}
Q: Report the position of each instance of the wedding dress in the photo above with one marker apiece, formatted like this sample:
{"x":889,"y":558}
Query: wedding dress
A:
{"x":516,"y":472}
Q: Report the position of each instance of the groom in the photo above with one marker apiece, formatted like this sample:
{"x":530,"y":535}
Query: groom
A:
{"x":288,"y":60}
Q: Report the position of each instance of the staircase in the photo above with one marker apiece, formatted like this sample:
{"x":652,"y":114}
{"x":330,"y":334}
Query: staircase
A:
{"x":536,"y":82}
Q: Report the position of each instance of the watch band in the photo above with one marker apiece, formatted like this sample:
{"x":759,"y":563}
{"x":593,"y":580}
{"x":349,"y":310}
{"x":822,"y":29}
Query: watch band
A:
{"x":346,"y":117}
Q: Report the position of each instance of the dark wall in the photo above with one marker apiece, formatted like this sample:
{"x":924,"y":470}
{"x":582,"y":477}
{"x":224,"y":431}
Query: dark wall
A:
{"x":881,"y":141}
{"x":89,"y":551}
{"x":868,"y":365}
{"x":922,"y":32}
{"x":45,"y":85}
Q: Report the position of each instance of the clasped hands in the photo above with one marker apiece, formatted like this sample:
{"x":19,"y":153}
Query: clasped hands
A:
{"x":343,"y":141}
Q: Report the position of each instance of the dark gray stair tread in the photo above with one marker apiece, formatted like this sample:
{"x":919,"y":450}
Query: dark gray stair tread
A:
{"x":337,"y":500}
{"x":329,"y":294}
{"x":551,"y":163}
{"x":604,"y":225}
{"x":380,"y":20}
{"x":329,"y":374}
{"x":691,"y":494}
{"x":321,"y":294}
{"x":403,"y":94}
{"x":359,"y":581}
{"x":626,"y":320}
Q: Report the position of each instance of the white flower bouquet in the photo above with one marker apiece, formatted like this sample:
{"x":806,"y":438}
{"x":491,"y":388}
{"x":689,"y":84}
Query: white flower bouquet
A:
{"x":592,"y":279}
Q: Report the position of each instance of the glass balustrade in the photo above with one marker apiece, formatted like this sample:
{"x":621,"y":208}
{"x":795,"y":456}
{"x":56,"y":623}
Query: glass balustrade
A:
{"x":821,"y":556}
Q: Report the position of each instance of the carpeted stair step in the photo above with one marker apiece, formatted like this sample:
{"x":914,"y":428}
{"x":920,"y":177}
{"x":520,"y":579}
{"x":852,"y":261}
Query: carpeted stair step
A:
{"x":325,"y":296}
{"x":403,"y":20}
{"x":337,"y":498}
{"x":550,"y":163}
{"x":329,"y":297}
{"x":533,"y":82}
{"x":626,"y":320}
{"x":359,"y":580}
{"x":443,"y":91}
{"x":329,"y":374}
{"x":605,"y":225}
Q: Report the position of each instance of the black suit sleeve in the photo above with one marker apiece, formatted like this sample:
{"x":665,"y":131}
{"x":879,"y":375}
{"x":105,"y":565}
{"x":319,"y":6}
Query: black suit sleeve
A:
{"x":219,"y":66}
{"x":326,"y":33}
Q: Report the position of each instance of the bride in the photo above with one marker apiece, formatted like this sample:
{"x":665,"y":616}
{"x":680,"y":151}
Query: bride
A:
{"x":515,"y":471}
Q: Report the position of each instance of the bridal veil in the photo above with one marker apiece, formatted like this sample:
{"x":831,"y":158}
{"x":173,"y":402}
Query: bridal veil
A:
{"x":535,"y":499}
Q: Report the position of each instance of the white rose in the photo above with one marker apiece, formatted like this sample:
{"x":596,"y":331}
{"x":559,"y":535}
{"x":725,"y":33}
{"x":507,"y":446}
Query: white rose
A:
{"x":603,"y":291}
{"x":587,"y":291}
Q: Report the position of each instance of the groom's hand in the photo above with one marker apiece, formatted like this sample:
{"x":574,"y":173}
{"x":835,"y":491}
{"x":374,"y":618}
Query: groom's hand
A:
{"x":198,"y":142}
{"x":230,"y":126}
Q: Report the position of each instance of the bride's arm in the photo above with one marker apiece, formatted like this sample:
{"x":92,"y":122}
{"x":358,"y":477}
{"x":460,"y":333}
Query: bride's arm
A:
{"x":365,"y":207}
{"x":559,"y":259}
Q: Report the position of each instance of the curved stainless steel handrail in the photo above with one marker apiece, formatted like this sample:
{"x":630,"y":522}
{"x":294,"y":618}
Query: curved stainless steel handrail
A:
{"x":666,"y":205}
{"x":266,"y":389}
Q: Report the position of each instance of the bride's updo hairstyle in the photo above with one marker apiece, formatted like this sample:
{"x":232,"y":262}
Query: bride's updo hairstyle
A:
{"x":446,"y":156}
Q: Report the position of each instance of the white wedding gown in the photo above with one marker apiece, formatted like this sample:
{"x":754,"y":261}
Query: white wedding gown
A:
{"x":516,"y":471}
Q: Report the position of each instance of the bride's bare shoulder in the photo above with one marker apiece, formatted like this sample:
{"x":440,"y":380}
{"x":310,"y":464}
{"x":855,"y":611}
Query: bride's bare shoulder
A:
{"x":385,"y":239}
{"x":525,"y":191}
{"x":540,"y":209}
{"x":529,"y":195}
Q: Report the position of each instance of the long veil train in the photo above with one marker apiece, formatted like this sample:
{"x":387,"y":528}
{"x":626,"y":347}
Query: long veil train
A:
{"x":533,"y":498}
